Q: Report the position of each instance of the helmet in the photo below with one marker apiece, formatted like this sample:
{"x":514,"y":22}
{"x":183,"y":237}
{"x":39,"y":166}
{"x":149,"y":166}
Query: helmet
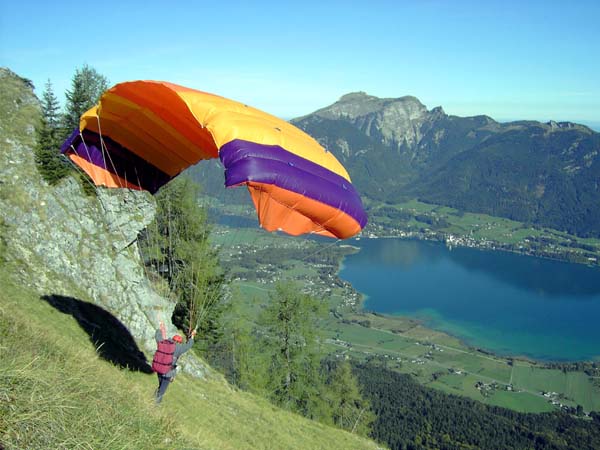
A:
{"x":178,"y":339}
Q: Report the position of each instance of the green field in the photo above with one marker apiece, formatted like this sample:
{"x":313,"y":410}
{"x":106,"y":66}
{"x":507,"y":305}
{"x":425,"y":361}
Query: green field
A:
{"x":577,"y":387}
{"x":459,"y":369}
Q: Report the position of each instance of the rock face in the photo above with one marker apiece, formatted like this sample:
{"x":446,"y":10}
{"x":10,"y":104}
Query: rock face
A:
{"x":72,"y":244}
{"x":396,"y":121}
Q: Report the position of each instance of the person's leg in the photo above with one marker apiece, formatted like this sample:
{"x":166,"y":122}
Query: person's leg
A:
{"x":162,"y":387}
{"x":158,"y":387}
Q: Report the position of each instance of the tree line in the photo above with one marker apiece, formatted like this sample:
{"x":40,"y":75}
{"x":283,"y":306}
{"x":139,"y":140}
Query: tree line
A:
{"x":55,"y":125}
{"x":281,"y":357}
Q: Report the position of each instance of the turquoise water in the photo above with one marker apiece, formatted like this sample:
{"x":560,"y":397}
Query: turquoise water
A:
{"x":503,"y":302}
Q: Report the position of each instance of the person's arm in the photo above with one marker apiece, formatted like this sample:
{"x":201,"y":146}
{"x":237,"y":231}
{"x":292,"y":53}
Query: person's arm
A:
{"x":161,"y":333}
{"x":180,"y":349}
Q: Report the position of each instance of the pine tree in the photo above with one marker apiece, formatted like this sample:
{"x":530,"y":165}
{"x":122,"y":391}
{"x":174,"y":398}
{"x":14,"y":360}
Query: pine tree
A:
{"x":87,"y":87}
{"x":176,"y":246}
{"x":238,"y":355}
{"x":51,"y":165}
{"x":349,"y":409}
{"x":290,"y":341}
{"x":51,"y":108}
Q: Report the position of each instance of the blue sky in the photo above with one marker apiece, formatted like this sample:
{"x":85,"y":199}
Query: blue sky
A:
{"x":507,"y":59}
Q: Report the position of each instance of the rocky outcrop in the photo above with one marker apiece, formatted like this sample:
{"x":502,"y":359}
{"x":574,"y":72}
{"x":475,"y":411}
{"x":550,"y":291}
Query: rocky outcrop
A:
{"x":397,"y":121}
{"x":72,"y":244}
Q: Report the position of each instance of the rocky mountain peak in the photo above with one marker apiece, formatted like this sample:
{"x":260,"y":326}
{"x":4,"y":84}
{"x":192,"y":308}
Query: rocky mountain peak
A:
{"x":559,"y":126}
{"x":355,"y":97}
{"x":438,"y":112}
{"x":524,"y":170}
{"x":395,"y":121}
{"x":359,"y":104}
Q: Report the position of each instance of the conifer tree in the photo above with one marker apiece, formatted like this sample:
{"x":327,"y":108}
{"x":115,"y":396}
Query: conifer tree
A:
{"x":350,"y":411}
{"x":87,"y":86}
{"x":51,"y":165}
{"x":176,"y":246}
{"x":238,"y":354}
{"x":290,"y":341}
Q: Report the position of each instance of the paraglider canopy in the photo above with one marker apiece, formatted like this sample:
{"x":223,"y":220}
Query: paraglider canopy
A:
{"x":143,"y":133}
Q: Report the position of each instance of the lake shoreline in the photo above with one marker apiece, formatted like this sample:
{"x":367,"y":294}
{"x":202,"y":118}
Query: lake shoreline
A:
{"x":418,"y":220}
{"x":393,"y":319}
{"x":454,"y":241}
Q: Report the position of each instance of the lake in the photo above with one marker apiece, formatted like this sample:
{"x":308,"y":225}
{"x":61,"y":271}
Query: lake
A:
{"x":503,"y":302}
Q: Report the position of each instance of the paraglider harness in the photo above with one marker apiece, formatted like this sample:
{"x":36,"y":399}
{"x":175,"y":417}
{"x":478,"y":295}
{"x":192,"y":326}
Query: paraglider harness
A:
{"x":162,"y":362}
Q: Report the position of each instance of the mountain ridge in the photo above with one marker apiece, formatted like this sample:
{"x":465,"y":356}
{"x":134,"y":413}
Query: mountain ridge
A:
{"x":541,"y":173}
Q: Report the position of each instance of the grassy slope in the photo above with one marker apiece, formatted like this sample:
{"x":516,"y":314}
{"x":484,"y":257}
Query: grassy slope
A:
{"x":55,"y":392}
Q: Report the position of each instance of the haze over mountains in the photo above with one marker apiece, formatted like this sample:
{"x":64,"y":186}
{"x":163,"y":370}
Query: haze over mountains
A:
{"x":546,"y":174}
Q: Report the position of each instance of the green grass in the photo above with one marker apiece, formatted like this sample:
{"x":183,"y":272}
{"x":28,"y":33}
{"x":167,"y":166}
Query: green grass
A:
{"x":17,"y":111}
{"x":56,"y":392}
{"x":519,"y":401}
{"x":576,"y":386}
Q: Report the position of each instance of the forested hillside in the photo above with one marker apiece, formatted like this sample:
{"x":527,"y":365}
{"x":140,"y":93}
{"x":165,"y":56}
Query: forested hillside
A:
{"x":531,"y":174}
{"x":411,"y":416}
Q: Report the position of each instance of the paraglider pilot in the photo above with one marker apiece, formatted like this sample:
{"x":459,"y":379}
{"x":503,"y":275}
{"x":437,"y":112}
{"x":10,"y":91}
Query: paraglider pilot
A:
{"x":165,"y":359}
